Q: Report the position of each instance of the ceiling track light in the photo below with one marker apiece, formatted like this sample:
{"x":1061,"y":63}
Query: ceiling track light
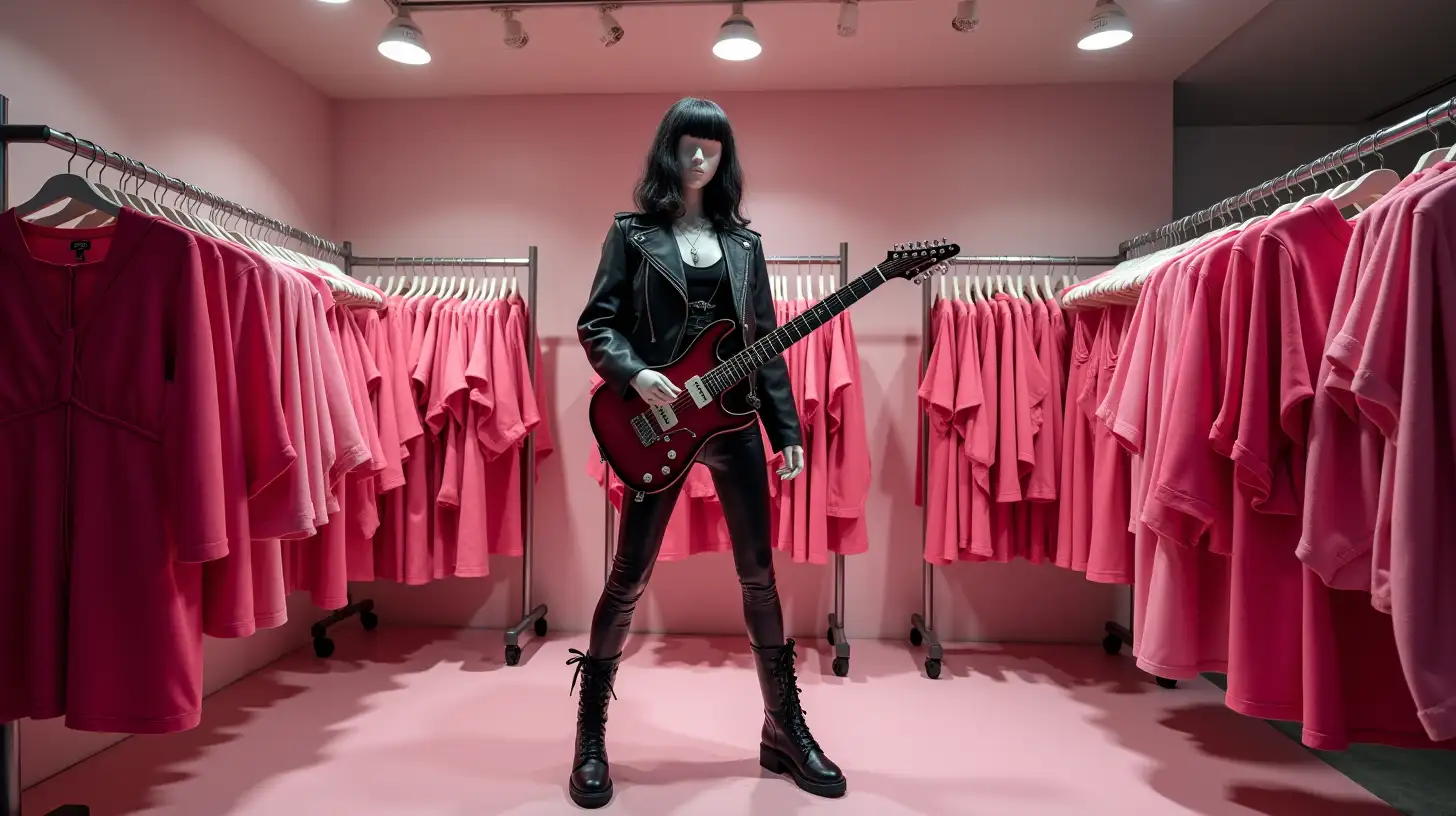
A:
{"x":1107,"y":28}
{"x":403,"y":41}
{"x":967,"y":17}
{"x":848,"y":18}
{"x":515,"y":37}
{"x":737,"y":38}
{"x":611,"y":30}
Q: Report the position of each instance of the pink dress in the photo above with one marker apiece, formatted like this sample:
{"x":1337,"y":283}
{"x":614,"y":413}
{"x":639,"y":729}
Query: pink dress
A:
{"x":109,"y":435}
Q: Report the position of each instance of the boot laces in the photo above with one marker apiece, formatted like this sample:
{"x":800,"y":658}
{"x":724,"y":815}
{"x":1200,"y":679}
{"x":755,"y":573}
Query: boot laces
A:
{"x":792,"y":709}
{"x":591,"y":709}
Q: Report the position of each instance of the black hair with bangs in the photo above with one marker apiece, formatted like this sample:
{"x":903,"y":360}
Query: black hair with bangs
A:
{"x":659,"y":192}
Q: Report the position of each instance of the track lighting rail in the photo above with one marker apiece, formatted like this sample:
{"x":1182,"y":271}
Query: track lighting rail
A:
{"x":417,"y":6}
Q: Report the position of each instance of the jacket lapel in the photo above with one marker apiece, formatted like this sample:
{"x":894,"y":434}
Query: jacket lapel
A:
{"x":661,"y":248}
{"x":738,"y":254}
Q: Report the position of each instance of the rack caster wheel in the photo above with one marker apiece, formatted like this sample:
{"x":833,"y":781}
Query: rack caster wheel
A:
{"x":369,"y":621}
{"x":323,"y":647}
{"x":513,"y":655}
{"x":541,"y":627}
{"x":1166,"y":683}
{"x":915,"y":637}
{"x":1112,"y":644}
{"x":932,"y":668}
{"x":841,"y":667}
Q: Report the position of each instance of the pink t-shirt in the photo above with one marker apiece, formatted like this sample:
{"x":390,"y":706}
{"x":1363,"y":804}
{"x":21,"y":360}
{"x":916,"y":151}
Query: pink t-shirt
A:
{"x":1422,"y":564}
{"x":974,"y":512}
{"x":1074,"y":523}
{"x":849,"y":453}
{"x":937,"y":399}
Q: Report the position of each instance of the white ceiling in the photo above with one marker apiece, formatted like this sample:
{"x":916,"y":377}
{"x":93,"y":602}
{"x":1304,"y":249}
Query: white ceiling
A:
{"x":1322,"y":61}
{"x":901,"y":43}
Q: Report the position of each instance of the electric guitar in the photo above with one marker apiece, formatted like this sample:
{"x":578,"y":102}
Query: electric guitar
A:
{"x":651,"y":448}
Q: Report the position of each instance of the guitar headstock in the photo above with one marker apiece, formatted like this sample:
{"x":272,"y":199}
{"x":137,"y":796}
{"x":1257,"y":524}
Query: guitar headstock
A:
{"x":918,"y":260}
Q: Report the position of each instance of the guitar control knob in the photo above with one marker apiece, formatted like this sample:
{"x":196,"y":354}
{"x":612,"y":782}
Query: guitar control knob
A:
{"x":666,"y":470}
{"x":647,"y":478}
{"x":672,"y":454}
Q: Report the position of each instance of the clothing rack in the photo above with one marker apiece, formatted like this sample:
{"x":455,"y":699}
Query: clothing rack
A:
{"x":835,"y":632}
{"x":1228,"y":209}
{"x":533,"y":615}
{"x":91,"y":152}
{"x":922,"y":624}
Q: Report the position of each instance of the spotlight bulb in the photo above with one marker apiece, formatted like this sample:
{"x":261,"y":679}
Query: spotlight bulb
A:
{"x":516,"y":37}
{"x":737,"y":40}
{"x":611,"y":30}
{"x":967,"y":16}
{"x":403,"y":41}
{"x":848,"y":18}
{"x":1108,"y":28}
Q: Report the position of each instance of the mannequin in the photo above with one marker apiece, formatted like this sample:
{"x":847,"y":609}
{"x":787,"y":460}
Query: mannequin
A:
{"x":684,"y":260}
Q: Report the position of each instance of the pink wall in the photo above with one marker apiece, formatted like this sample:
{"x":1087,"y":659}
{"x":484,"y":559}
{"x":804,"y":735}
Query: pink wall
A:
{"x":1012,"y":170}
{"x":156,"y":80}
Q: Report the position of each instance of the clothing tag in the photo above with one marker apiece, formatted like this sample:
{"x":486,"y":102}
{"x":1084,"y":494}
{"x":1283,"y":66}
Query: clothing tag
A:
{"x":80,"y":247}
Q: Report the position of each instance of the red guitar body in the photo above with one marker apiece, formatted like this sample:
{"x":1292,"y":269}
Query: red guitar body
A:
{"x":651,"y":467}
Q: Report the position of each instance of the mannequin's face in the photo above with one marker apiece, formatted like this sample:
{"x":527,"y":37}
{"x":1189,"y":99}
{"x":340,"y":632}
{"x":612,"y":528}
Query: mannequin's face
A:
{"x":698,"y":160}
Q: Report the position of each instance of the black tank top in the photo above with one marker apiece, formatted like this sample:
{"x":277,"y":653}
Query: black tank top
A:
{"x":710,"y":296}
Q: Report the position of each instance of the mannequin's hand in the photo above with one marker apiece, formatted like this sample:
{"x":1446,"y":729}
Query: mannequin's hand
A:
{"x":793,"y":462}
{"x":654,"y":388}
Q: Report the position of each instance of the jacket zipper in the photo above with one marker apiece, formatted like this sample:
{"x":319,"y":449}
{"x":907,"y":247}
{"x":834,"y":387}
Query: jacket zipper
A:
{"x":646,"y":288}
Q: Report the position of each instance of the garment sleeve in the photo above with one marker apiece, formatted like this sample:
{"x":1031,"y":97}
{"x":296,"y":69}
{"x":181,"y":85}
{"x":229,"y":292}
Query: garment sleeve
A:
{"x":600,"y":326}
{"x":780,"y":419}
{"x":192,"y":439}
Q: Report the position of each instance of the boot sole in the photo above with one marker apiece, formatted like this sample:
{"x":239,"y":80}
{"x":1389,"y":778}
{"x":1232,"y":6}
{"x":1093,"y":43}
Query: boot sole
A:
{"x":591,"y":800}
{"x":774,"y":762}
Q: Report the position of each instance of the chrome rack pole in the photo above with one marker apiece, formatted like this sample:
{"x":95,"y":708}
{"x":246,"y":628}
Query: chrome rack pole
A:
{"x":532,"y":614}
{"x":323,"y":645}
{"x":10,"y":731}
{"x":836,"y":635}
{"x":922,"y":624}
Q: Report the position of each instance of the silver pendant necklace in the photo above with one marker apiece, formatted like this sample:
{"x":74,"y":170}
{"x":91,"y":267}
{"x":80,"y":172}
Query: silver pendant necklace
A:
{"x":692,"y":244}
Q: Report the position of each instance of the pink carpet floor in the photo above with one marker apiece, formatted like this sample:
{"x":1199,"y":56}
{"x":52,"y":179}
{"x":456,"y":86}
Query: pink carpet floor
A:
{"x":411,"y":722}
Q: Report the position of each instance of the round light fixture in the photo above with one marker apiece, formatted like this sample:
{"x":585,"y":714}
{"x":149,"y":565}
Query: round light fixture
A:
{"x":1108,"y":27}
{"x":403,"y":41}
{"x":334,"y":2}
{"x":737,"y":39}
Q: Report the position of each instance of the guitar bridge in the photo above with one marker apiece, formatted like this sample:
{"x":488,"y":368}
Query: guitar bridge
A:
{"x":642,"y":426}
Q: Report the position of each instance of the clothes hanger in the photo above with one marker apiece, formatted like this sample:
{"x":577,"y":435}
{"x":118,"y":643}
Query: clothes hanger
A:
{"x":1370,"y":187}
{"x":79,"y":190}
{"x":1433,"y":157}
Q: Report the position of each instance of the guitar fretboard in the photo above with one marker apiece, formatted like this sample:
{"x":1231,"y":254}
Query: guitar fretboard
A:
{"x":738,"y":367}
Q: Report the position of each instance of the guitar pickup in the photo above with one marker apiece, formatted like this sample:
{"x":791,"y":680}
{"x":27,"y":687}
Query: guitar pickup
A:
{"x":665,"y":416}
{"x":698,"y":390}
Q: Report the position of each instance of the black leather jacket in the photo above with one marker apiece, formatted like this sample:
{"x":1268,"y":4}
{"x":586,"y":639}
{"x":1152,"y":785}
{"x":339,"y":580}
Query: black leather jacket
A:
{"x":634,"y":316}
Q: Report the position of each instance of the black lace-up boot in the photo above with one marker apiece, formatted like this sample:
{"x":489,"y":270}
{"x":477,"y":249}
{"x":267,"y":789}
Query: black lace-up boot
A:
{"x":787,"y":745}
{"x":591,"y":780}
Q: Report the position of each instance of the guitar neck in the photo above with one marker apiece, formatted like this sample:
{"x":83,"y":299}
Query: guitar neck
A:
{"x":738,"y":367}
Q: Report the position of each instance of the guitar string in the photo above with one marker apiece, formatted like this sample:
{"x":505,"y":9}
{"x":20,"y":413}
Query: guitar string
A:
{"x":716,"y":377}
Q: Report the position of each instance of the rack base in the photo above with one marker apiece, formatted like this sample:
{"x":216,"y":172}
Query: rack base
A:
{"x":920,"y":633}
{"x":323,"y":646}
{"x":1117,"y":635}
{"x":536,"y":619}
{"x":840,"y":644}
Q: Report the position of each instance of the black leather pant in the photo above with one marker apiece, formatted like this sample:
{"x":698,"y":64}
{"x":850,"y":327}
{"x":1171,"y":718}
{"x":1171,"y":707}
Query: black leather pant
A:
{"x":740,"y":475}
